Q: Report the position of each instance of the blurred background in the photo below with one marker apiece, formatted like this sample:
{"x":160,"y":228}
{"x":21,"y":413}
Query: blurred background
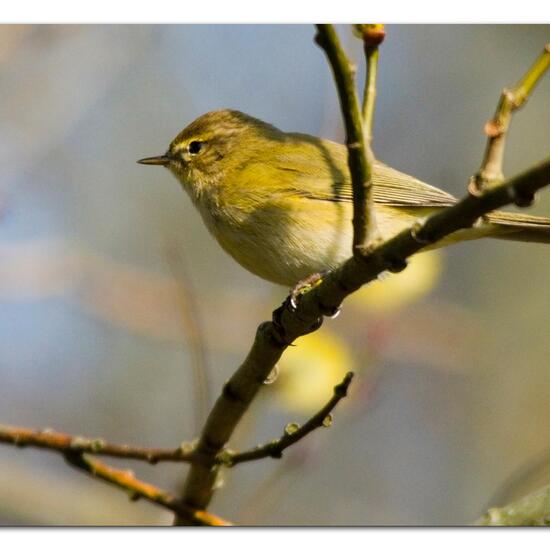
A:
{"x":121,"y":317}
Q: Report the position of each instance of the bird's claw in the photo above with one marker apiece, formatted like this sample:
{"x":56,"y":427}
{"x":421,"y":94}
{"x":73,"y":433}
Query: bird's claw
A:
{"x":303,"y":286}
{"x":335,"y":313}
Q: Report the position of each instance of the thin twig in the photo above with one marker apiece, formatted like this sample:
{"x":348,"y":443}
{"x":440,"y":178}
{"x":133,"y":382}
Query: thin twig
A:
{"x":360,"y":161}
{"x":194,"y":336}
{"x":293,"y":433}
{"x":372,"y":35}
{"x":289,"y":323}
{"x":137,"y":489}
{"x":64,"y":443}
{"x":490,"y":172}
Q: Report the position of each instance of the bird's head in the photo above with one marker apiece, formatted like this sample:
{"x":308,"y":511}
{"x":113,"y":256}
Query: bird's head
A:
{"x":207,"y":150}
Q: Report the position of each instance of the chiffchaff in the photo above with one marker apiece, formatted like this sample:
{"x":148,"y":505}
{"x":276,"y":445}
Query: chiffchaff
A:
{"x":281,"y":203}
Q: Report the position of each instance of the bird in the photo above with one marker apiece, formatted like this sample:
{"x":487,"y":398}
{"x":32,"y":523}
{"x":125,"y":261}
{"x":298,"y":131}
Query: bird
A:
{"x":281,"y":203}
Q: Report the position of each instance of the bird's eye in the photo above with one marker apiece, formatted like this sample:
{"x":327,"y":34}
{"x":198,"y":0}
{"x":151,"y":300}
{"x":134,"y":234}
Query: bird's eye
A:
{"x":195,"y":147}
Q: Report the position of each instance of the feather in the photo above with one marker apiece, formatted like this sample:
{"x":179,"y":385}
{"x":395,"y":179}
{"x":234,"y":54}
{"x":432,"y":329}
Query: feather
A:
{"x":326,"y":161}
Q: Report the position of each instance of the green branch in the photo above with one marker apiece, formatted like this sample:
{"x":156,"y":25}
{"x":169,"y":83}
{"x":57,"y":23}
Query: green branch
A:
{"x":372,"y":36}
{"x":490,"y":172}
{"x":360,"y":158}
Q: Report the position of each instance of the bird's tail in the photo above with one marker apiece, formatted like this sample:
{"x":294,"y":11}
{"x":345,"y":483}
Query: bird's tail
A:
{"x":519,"y":227}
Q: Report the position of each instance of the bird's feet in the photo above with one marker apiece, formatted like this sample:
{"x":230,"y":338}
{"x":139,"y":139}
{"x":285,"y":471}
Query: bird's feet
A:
{"x":303,"y":286}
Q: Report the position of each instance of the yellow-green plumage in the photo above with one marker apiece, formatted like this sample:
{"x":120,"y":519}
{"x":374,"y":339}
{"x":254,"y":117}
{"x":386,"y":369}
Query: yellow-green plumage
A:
{"x":281,"y":203}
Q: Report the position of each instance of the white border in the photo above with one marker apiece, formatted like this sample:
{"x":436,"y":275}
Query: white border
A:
{"x":270,"y":538}
{"x":278,"y":11}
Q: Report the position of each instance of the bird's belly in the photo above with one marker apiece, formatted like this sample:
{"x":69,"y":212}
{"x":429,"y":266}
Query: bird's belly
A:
{"x":285,"y":245}
{"x":286,"y":253}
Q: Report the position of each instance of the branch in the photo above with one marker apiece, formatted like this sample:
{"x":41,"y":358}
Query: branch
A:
{"x":533,"y":509}
{"x":65,"y":443}
{"x":137,"y":489}
{"x":372,"y":36}
{"x":360,"y":158}
{"x":293,"y":433}
{"x":72,"y":449}
{"x":490,"y":172}
{"x":289,"y":322}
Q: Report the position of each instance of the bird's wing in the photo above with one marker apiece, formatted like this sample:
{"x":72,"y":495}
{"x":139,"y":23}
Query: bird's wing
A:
{"x":325,"y":176}
{"x":398,"y":189}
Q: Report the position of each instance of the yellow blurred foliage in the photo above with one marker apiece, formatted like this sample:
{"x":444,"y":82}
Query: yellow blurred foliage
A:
{"x":310,"y":369}
{"x":398,"y":290}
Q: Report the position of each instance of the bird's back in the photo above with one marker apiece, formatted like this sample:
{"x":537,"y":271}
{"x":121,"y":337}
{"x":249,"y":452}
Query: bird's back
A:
{"x":296,"y":217}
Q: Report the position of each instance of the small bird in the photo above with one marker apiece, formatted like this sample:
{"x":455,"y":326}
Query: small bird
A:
{"x":281,"y":203}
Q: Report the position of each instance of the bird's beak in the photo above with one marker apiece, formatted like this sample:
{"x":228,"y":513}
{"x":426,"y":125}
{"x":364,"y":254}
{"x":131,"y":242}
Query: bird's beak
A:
{"x":163,"y":160}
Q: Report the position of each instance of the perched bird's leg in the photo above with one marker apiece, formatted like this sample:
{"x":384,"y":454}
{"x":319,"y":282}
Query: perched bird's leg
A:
{"x":291,"y":303}
{"x":305,"y":285}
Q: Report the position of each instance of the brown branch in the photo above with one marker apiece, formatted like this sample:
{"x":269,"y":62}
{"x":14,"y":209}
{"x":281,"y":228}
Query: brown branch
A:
{"x":137,"y":489}
{"x":293,"y":433}
{"x":289,"y":322}
{"x":360,"y":158}
{"x":490,"y":172}
{"x":72,"y":449}
{"x":65,"y":443}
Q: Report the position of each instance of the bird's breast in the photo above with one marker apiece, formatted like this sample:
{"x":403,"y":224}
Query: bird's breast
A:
{"x":283,"y":239}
